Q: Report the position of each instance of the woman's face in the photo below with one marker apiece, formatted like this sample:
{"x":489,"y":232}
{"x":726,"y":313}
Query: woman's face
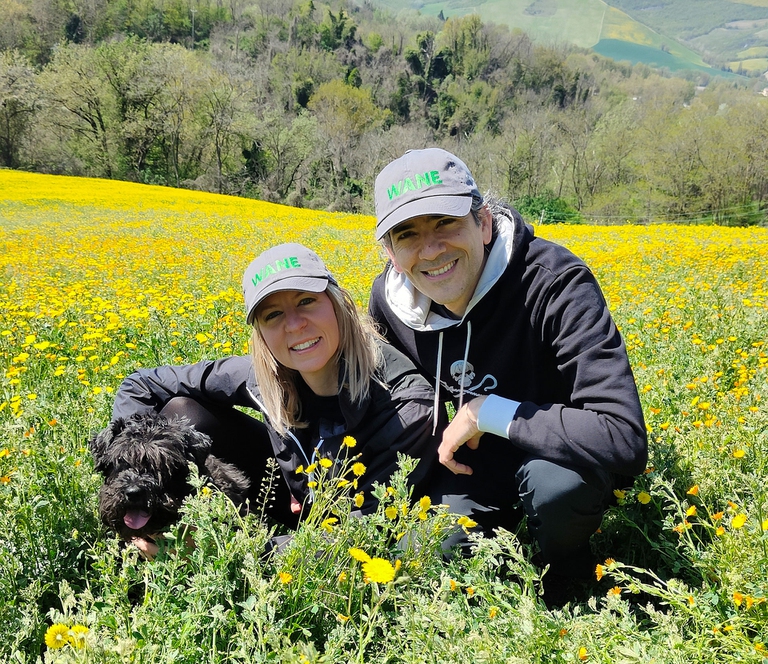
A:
{"x":301,"y":331}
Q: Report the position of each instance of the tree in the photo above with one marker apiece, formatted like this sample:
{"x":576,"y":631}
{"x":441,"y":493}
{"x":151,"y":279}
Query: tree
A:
{"x":344,"y":114}
{"x":19,"y":101}
{"x":286,"y":144}
{"x":81,"y":103}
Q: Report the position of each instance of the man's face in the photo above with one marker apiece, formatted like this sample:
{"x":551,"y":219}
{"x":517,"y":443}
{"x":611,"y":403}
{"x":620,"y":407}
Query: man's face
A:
{"x":442,"y":256}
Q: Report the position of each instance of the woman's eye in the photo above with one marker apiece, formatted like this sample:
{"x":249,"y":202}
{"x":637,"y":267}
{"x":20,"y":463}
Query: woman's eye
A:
{"x":306,"y":300}
{"x":270,"y":316}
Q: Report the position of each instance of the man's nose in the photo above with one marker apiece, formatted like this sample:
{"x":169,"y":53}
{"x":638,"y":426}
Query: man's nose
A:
{"x":431,"y":247}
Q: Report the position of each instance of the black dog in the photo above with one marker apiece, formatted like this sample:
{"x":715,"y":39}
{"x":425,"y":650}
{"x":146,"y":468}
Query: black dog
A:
{"x":145,"y":462}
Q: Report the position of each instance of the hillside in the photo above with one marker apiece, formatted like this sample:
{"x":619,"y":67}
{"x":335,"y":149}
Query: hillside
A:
{"x":717,"y":34}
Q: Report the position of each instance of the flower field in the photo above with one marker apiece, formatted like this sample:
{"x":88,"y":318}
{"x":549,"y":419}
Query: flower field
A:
{"x":101,"y":277}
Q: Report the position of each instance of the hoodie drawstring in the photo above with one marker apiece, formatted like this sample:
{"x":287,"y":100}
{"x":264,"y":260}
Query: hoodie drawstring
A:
{"x":437,"y":383}
{"x":464,"y":364}
{"x":437,"y":372}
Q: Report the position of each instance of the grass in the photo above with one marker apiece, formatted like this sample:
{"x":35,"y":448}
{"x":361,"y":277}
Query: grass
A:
{"x":101,"y":277}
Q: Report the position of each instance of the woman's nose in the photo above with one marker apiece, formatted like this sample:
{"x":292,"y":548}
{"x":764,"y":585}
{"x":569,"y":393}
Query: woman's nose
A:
{"x":294,"y":320}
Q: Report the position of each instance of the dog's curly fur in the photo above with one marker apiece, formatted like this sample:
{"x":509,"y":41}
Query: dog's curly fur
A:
{"x":145,"y":463}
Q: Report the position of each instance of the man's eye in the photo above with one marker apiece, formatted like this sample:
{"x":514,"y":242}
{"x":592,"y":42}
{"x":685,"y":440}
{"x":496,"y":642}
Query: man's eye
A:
{"x":404,"y":236}
{"x":445,"y":222}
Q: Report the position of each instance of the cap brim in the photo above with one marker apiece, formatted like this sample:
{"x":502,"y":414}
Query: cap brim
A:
{"x":451,"y":206}
{"x":307,"y":284}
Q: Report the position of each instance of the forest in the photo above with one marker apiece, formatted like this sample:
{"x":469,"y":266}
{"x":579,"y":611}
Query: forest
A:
{"x":302,"y":102}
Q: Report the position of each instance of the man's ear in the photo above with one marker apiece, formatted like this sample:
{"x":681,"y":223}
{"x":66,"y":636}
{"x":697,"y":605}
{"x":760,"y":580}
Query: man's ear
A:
{"x":486,"y":223}
{"x":392,"y":258}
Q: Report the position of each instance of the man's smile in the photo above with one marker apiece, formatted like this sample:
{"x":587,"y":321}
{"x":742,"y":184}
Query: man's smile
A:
{"x":441,"y":270}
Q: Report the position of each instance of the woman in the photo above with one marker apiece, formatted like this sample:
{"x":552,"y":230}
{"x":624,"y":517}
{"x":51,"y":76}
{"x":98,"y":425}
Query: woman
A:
{"x":318,"y":373}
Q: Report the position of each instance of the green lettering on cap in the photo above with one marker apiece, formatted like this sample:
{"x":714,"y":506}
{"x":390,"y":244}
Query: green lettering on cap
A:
{"x":426,"y":179}
{"x":270,"y":268}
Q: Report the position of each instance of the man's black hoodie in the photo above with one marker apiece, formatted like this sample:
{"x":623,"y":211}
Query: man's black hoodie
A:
{"x":537,"y":331}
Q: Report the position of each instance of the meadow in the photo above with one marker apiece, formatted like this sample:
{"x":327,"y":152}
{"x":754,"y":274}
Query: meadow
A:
{"x":101,"y":277}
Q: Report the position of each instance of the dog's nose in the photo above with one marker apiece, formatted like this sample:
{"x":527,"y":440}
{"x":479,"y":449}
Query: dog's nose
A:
{"x":133,"y":493}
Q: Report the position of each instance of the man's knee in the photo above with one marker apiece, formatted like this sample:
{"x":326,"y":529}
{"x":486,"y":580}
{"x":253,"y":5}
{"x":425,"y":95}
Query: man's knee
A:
{"x":564,"y":505}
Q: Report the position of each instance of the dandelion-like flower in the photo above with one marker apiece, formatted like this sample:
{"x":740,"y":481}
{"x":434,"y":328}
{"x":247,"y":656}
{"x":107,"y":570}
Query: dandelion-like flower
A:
{"x":325,"y":462}
{"x":349,"y":441}
{"x":77,"y":635}
{"x":359,"y":499}
{"x":424,"y":503}
{"x":358,"y":469}
{"x":616,"y":591}
{"x":466,"y":523}
{"x":379,"y":570}
{"x":57,"y":636}
{"x":285,"y":578}
{"x":359,"y":555}
{"x":643,"y":498}
{"x":328,"y":524}
{"x":599,"y":572}
{"x":738,"y":521}
{"x":693,"y":491}
{"x":391,"y":512}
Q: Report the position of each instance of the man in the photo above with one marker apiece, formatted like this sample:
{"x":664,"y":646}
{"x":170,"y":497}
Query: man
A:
{"x":515,"y":331}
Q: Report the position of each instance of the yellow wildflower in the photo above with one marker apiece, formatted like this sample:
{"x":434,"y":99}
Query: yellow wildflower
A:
{"x":391,"y":512}
{"x":359,"y":499}
{"x":379,"y":570}
{"x":359,"y":555}
{"x":77,"y":635}
{"x":57,"y":636}
{"x":599,"y":571}
{"x":285,"y":578}
{"x":328,"y":524}
{"x":738,"y":521}
{"x":358,"y":469}
{"x":349,"y":441}
{"x":643,"y":498}
{"x":325,"y":462}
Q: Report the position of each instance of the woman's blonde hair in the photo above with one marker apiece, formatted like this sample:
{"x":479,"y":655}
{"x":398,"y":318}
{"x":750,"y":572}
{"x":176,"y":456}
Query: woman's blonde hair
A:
{"x":358,"y":357}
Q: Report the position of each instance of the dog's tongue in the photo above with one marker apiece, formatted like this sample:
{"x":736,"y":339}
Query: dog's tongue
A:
{"x":136,"y":519}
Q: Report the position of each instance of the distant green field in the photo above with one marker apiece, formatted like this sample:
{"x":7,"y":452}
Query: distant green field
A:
{"x":585,"y":23}
{"x":575,"y":21}
{"x":652,"y":56}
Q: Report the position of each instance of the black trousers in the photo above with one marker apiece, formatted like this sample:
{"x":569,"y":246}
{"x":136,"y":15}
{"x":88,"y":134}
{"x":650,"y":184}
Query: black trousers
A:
{"x":244,"y":441}
{"x":564,"y":505}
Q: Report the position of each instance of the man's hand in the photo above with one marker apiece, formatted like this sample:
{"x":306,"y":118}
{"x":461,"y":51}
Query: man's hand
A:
{"x":462,"y":429}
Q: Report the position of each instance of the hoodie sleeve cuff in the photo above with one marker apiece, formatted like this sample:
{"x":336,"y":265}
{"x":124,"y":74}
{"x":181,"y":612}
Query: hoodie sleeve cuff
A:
{"x":496,"y":414}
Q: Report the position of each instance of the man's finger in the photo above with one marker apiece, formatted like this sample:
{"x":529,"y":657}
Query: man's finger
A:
{"x":474,"y":442}
{"x":446,"y":458}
